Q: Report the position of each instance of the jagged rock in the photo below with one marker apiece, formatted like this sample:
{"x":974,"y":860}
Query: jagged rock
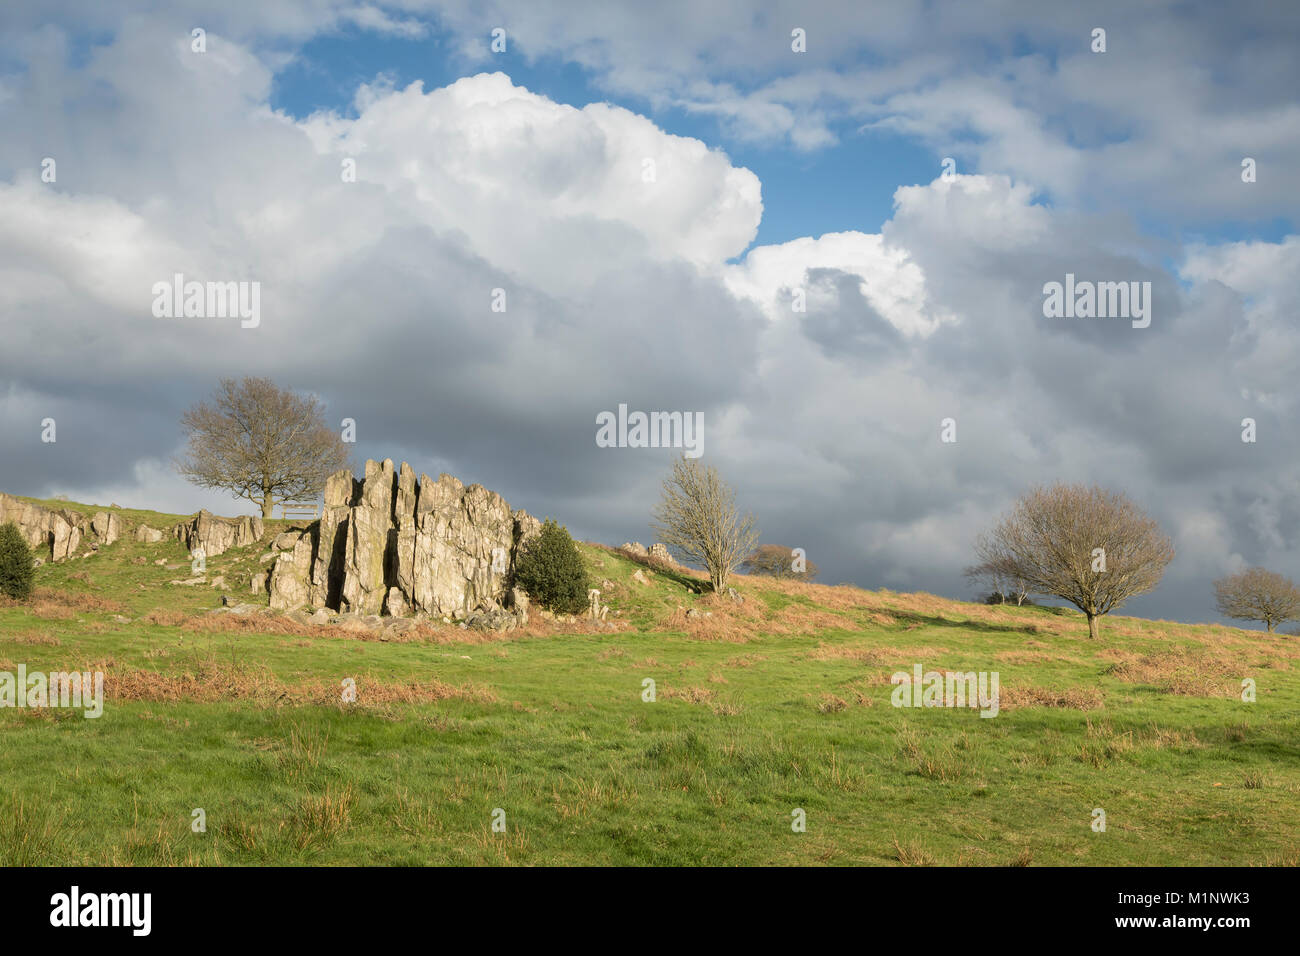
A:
{"x":147,"y":535}
{"x":635,"y":547}
{"x":526,"y":527}
{"x":269,"y":556}
{"x":491,"y":619}
{"x":639,"y":577}
{"x":290,"y":576}
{"x":217,"y":535}
{"x":369,"y":521}
{"x":659,"y":552}
{"x":285,"y":540}
{"x":441,"y":547}
{"x":106,"y":527}
{"x":362,"y":624}
{"x":735,"y":596}
{"x":259,"y":583}
{"x":519,"y":602}
{"x":395,"y":603}
{"x":56,"y":533}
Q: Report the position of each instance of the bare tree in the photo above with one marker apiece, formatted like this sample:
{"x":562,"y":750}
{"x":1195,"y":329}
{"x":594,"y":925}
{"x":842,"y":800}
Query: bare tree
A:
{"x":697,"y":518}
{"x":778,"y":561}
{"x":1001,"y":578}
{"x":1258,"y":595}
{"x":261,"y":442}
{"x":1091,"y":547}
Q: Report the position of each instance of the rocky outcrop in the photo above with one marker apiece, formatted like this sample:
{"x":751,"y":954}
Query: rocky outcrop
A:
{"x":656,"y":552}
{"x":217,"y":535}
{"x":396,"y":544}
{"x":147,"y":535}
{"x":58,"y":534}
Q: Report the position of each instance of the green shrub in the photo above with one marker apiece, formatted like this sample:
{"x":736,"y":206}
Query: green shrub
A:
{"x":16,"y":559}
{"x":551,"y":570}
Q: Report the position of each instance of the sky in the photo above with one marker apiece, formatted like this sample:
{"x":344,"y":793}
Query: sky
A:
{"x":825,"y":252}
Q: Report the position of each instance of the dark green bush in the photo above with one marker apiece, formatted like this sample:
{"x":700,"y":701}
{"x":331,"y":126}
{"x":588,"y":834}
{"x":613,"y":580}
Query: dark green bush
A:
{"x":16,"y":558}
{"x":551,"y":570}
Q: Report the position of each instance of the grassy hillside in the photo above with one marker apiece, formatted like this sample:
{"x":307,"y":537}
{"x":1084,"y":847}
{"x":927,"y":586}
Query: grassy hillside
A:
{"x":779,"y":703}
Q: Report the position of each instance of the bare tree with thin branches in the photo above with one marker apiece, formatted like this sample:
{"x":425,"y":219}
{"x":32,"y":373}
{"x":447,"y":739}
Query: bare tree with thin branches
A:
{"x":697,"y":518}
{"x":1001,"y":579}
{"x":1258,"y":595}
{"x":778,"y":561}
{"x":1089,"y":546}
{"x":261,"y":442}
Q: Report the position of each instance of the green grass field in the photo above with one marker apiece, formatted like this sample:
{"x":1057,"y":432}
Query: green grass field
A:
{"x":783,"y":702}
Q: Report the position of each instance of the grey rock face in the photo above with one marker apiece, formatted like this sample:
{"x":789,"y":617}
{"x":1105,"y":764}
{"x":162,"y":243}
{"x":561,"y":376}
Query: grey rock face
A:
{"x":217,"y":535}
{"x":396,"y":544}
{"x":57,"y":534}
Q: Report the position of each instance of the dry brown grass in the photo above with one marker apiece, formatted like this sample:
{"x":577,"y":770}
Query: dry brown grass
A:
{"x":35,"y":638}
{"x":722,"y":706}
{"x":831,"y":704}
{"x":61,"y":605}
{"x":211,"y":680}
{"x":844,"y":652}
{"x":1190,"y":672}
{"x":164,"y":617}
{"x":1073,"y":698}
{"x":913,"y":854}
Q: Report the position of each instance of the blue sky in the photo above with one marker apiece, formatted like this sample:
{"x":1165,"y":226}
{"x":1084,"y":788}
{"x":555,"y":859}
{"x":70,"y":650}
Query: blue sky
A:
{"x":847,"y":186}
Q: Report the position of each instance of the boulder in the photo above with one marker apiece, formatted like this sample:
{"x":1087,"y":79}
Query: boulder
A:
{"x":106,"y":526}
{"x":147,"y":535}
{"x":491,"y":619}
{"x":285,"y":540}
{"x":259,"y":582}
{"x":659,"y":552}
{"x":636,"y":548}
{"x":217,"y":535}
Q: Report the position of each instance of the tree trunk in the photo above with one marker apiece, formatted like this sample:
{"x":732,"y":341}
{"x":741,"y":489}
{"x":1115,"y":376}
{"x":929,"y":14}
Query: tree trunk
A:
{"x":268,"y":505}
{"x":1094,"y":631}
{"x":1270,"y":626}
